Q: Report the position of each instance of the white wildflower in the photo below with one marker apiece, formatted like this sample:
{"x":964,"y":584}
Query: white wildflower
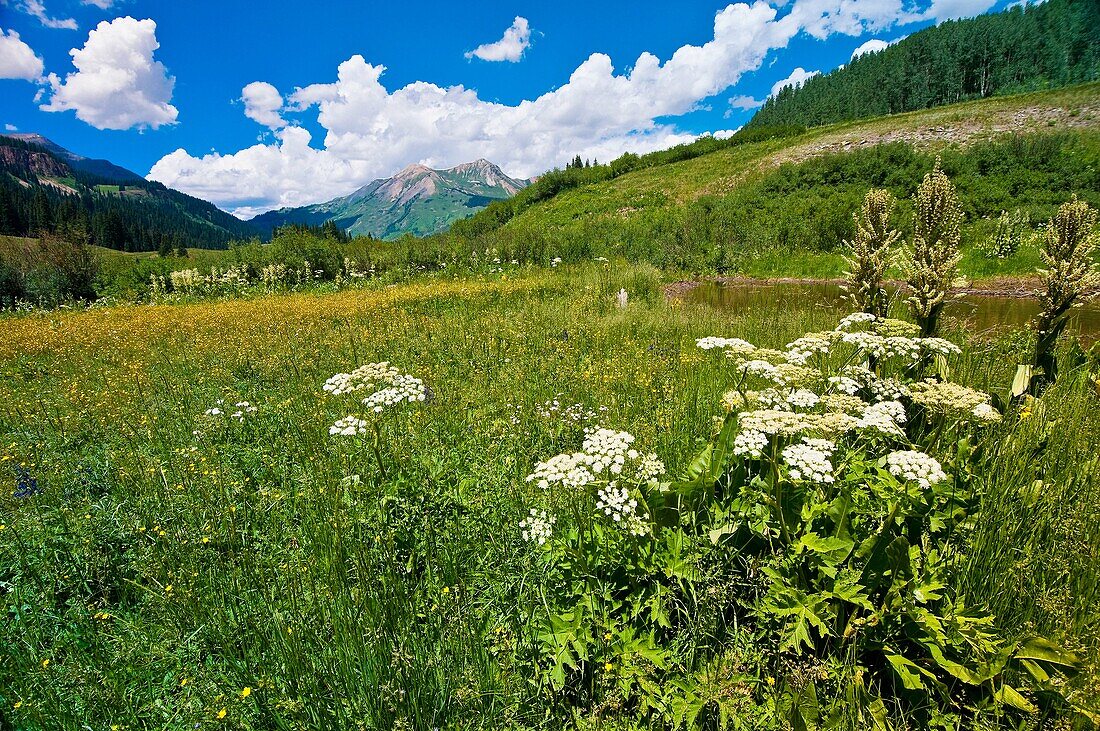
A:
{"x":854,"y":319}
{"x":749,"y":443}
{"x":349,"y":426}
{"x":734,"y":345}
{"x":538,"y":526}
{"x":915,"y":467}
{"x":807,"y":462}
{"x":803,"y":399}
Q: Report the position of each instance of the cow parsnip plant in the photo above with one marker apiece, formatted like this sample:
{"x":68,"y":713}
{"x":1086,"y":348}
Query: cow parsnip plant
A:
{"x":820,"y":500}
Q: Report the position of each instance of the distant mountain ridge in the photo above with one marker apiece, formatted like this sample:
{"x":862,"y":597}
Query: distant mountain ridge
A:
{"x":101,"y":168}
{"x":45,"y":188}
{"x":418,"y":200}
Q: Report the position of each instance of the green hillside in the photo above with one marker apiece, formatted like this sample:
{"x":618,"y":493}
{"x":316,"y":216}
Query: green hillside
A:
{"x":766,"y":199}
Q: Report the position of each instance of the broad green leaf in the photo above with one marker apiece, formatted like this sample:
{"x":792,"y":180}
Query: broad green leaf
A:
{"x":832,"y":550}
{"x":908,"y":671}
{"x":1010,"y":696}
{"x":1039,"y":648}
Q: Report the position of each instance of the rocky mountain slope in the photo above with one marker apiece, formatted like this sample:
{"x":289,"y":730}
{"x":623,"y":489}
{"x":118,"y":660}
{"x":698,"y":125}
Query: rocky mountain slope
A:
{"x":418,"y":201}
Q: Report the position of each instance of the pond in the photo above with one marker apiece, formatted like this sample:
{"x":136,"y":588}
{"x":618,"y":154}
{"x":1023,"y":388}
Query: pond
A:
{"x":982,"y":313}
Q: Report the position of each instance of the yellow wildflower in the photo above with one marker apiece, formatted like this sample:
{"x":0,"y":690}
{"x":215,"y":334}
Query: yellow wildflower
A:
{"x":246,"y":691}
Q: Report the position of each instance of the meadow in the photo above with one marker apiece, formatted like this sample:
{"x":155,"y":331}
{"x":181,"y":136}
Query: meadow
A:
{"x":183,"y":543}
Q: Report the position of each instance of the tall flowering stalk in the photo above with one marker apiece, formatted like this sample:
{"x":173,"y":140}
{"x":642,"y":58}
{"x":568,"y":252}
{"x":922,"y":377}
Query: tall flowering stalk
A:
{"x":1069,"y":279}
{"x":932,"y":258}
{"x":870,"y":253}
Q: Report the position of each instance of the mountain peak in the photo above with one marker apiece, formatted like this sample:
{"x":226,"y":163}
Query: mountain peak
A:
{"x":413,"y":169}
{"x":103,"y":168}
{"x":417,"y":200}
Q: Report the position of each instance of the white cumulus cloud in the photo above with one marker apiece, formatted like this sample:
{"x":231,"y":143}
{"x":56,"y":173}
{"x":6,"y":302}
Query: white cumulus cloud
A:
{"x":262,"y":103}
{"x":117,"y":83}
{"x":872,"y":46}
{"x":516,"y":40}
{"x":102,"y":4}
{"x":600,"y":112}
{"x":10,"y":128}
{"x":17,"y":59}
{"x":797,"y":78}
{"x":743,"y":102}
{"x":942,"y":10}
{"x":36,"y":9}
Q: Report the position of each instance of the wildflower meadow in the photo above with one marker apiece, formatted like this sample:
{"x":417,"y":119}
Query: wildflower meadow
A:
{"x":556,"y":497}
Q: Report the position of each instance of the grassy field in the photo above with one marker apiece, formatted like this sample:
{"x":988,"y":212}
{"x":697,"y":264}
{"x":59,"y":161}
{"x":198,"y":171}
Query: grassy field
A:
{"x":165,"y":567}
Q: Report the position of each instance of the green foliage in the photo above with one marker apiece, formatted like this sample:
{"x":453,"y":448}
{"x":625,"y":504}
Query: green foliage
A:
{"x":1034,"y":46}
{"x":46,"y":271}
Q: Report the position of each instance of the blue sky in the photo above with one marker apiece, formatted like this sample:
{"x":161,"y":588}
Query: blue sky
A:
{"x":255,"y":106}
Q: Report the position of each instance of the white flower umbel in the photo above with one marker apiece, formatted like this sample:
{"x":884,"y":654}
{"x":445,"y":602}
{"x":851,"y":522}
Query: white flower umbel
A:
{"x":650,"y":468}
{"x":349,"y":426}
{"x":760,"y":369}
{"x":938,"y":346}
{"x":538,"y":526}
{"x":944,"y":398}
{"x":915,"y":467}
{"x":570,"y":470}
{"x":405,"y":389}
{"x":749,"y":443}
{"x":362,"y":378}
{"x":615,"y":502}
{"x":880,"y":420}
{"x":800,"y":351}
{"x":986,"y":412}
{"x":855,"y":320}
{"x":808,"y":462}
{"x":803,"y":399}
{"x":730,"y":345}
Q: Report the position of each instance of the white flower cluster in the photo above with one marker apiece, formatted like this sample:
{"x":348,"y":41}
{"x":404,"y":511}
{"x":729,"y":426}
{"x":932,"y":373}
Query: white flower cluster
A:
{"x":650,"y":467}
{"x":883,"y":418}
{"x":915,"y":467}
{"x":939,"y":346}
{"x":952,"y":399}
{"x":569,"y":470}
{"x":399,"y":387}
{"x":243,"y":409}
{"x":538,"y":526}
{"x":854,"y":319}
{"x":404,"y":389}
{"x":803,"y":398}
{"x":615,"y":502}
{"x":810,"y":460}
{"x":760,"y":369}
{"x":349,"y":426}
{"x":730,"y":345}
{"x":364,"y":377}
{"x":801,"y":350}
{"x":750,"y":443}
{"x":603,"y":451}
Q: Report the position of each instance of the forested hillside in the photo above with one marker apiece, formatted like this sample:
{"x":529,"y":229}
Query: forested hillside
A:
{"x":1037,"y":46}
{"x":42,"y":193}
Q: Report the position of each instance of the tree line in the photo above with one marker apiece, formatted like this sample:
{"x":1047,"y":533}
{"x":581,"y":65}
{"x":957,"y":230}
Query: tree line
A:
{"x":137,"y":215}
{"x":1025,"y":48}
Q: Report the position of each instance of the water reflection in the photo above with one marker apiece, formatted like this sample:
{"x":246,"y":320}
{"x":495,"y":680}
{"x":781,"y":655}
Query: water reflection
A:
{"x":981,"y":313}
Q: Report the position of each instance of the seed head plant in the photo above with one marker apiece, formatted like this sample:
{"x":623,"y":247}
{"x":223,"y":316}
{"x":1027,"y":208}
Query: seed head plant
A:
{"x":870,"y":253}
{"x":1009,"y":235}
{"x":1069,"y":279}
{"x":931,"y":259}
